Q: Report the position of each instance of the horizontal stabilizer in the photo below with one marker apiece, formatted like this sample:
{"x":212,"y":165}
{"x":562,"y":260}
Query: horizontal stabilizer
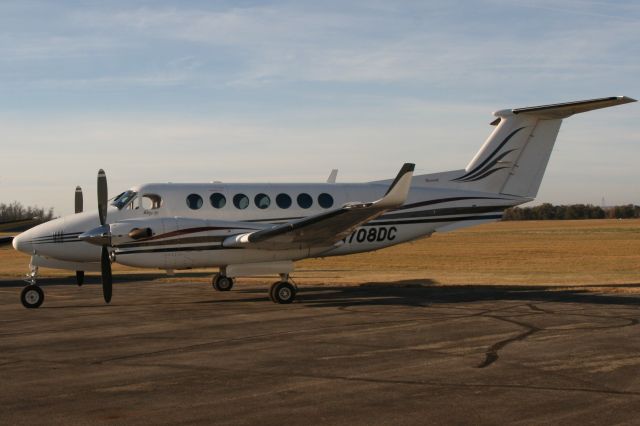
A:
{"x":567,"y":109}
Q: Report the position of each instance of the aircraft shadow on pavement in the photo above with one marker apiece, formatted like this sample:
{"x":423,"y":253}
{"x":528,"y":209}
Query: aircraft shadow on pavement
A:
{"x":425,"y":292}
{"x":409,"y":293}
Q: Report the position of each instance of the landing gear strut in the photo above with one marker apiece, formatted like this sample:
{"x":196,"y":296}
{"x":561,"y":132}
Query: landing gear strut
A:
{"x":221,"y":282}
{"x":32,"y":295}
{"x":283,"y":291}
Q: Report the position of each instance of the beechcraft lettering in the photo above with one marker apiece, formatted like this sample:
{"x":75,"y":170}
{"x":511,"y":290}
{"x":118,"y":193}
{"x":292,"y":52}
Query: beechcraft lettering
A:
{"x":258,"y":229}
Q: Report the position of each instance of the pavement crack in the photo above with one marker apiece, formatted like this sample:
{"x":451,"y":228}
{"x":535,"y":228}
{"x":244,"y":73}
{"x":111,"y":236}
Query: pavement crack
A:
{"x":491,"y":354}
{"x":535,"y":307}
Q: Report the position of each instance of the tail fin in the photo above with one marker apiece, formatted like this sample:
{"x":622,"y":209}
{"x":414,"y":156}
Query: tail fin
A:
{"x":513,"y":159}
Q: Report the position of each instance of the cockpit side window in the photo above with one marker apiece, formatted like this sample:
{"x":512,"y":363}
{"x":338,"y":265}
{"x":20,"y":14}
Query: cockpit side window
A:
{"x":124,"y":200}
{"x":151,"y":201}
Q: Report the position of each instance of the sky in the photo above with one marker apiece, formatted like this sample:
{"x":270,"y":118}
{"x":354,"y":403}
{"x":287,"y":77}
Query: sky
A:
{"x":245,"y":91}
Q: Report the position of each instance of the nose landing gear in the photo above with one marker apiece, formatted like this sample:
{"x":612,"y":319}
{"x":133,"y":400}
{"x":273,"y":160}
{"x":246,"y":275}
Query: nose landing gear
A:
{"x":32,"y":295}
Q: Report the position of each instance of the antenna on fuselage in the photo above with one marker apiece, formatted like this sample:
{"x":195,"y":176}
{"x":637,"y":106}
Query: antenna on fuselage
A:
{"x":332,"y":176}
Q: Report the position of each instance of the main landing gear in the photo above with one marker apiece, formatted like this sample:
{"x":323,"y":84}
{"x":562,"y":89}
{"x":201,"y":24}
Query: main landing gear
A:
{"x":282,"y":292}
{"x":221,"y":282}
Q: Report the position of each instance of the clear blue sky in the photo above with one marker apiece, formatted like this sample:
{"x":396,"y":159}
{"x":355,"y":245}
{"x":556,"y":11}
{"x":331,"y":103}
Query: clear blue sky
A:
{"x":285,"y":91}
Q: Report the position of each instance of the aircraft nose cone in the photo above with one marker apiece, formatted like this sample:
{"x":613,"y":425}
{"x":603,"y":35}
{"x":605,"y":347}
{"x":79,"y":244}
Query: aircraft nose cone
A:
{"x":22,"y":243}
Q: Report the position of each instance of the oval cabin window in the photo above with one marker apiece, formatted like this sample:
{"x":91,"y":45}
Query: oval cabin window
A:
{"x":305,"y":201}
{"x":218,"y":200}
{"x":194,"y":201}
{"x":283,"y":201}
{"x":241,"y":201}
{"x":262,"y":201}
{"x":325,"y":200}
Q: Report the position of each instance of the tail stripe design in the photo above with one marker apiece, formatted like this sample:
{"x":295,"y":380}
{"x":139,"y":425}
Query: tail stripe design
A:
{"x":482,"y":176}
{"x":481,"y":165}
{"x":482,"y":172}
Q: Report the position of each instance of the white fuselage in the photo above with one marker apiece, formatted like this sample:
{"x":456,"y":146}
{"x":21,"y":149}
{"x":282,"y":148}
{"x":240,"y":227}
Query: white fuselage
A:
{"x":190,"y":221}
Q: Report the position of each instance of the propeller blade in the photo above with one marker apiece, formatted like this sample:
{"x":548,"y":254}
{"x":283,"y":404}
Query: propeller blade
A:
{"x":102,"y":196}
{"x":105,"y":263}
{"x":78,"y":200}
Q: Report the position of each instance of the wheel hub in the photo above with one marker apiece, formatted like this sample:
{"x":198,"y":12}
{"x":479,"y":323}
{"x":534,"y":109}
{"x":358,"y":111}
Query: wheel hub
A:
{"x":284,"y":293}
{"x":32,"y":296}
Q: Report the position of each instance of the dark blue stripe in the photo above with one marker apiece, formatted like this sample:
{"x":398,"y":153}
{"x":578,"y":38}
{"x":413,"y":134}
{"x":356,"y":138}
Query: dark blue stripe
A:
{"x":492,"y":154}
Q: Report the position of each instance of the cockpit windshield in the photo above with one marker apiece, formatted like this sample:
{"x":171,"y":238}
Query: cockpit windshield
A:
{"x":124,"y":199}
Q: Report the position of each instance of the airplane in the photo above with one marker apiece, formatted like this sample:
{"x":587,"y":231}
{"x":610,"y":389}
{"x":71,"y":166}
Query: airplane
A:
{"x":264,"y":228}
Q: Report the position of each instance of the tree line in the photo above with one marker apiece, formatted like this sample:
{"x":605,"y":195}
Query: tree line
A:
{"x":549,"y":211}
{"x":16,"y":211}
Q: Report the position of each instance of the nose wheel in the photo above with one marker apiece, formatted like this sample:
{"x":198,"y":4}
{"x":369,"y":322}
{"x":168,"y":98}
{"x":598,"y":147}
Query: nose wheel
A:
{"x":32,"y":296}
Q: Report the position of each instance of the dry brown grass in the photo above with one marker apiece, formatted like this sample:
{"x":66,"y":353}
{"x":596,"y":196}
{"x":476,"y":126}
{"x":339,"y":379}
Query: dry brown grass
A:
{"x":590,"y":254}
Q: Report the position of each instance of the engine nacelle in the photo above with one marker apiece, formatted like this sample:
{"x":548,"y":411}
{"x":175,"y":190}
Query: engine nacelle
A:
{"x":179,"y":230}
{"x":130,"y":231}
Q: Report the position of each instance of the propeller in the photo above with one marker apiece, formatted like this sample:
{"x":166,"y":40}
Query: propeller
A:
{"x":101,"y":236}
{"x":78,"y":209}
{"x":105,"y":262}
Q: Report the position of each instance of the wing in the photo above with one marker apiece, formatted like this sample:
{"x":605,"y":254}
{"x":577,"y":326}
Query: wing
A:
{"x":325,"y":229}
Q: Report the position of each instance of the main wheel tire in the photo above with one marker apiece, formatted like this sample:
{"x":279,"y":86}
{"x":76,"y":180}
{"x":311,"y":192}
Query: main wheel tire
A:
{"x":271,"y":290}
{"x":222,"y":282}
{"x":32,"y":296}
{"x":79,"y":278}
{"x":282,"y":292}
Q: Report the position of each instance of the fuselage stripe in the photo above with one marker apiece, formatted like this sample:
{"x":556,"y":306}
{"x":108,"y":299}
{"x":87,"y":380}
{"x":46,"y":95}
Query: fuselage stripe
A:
{"x":119,"y":251}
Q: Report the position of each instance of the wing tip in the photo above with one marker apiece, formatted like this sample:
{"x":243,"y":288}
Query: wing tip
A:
{"x":625,"y":99}
{"x":399,"y":188}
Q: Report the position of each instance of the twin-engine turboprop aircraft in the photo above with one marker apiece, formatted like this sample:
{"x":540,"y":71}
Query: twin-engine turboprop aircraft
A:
{"x":256,"y":229}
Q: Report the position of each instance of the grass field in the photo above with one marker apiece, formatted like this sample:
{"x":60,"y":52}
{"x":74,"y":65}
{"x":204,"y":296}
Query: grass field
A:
{"x":593,"y":254}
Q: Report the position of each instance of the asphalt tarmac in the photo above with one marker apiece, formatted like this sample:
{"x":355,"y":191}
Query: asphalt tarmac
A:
{"x":399,"y":353}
